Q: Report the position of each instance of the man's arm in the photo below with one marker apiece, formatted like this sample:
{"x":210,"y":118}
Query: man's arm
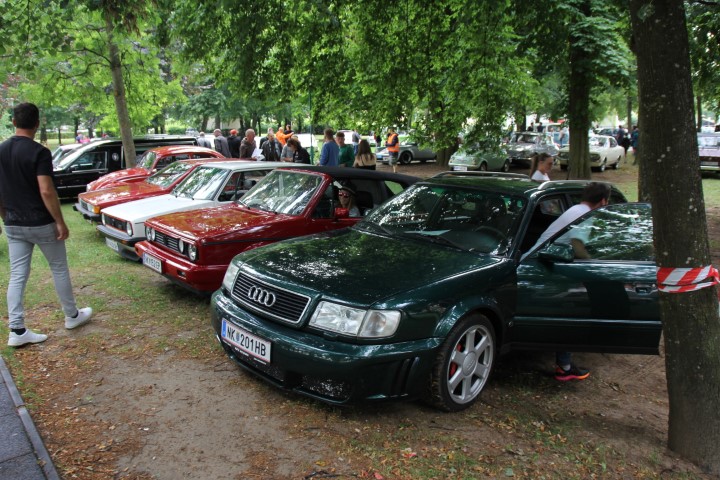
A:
{"x":52,"y":203}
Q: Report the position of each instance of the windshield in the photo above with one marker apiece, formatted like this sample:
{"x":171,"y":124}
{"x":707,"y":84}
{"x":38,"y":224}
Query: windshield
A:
{"x":146,"y":160}
{"x":70,"y":158}
{"x":283,"y":191}
{"x":202,"y":183}
{"x":168,"y":175}
{"x":709,"y":141}
{"x":597,"y":142}
{"x":524,"y":138}
{"x":468,"y":219}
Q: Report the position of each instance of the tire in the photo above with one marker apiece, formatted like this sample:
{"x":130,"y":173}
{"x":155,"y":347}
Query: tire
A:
{"x":483,"y":167}
{"x":506,"y":166}
{"x":464,"y":363}
{"x":617,"y":164}
{"x":563,"y":167}
{"x":405,"y":158}
{"x":603,"y":165}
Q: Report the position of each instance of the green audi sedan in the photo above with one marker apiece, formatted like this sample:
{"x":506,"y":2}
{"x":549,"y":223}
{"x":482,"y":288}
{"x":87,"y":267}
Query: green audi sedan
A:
{"x":421,"y":298}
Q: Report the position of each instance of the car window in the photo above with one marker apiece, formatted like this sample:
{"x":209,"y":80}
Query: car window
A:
{"x":468,"y":219}
{"x":202,"y":183}
{"x":546,"y":212}
{"x":240,"y":182}
{"x":283,"y":192}
{"x":618,"y":232}
{"x":168,"y":175}
{"x":168,"y":159}
{"x":146,"y":160}
{"x":90,"y":161}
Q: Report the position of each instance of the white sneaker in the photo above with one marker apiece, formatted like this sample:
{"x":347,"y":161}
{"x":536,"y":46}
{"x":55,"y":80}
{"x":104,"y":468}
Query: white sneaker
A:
{"x":29,"y":336}
{"x":82,"y":318}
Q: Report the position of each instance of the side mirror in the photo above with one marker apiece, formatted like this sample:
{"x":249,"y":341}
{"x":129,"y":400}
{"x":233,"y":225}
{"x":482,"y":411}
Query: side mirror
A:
{"x":557,"y":252}
{"x":342,"y":213}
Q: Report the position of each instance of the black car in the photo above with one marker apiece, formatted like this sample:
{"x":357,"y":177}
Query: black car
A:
{"x":89,"y":162}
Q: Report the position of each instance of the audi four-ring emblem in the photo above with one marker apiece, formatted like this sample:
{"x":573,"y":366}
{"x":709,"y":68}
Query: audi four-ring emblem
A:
{"x":261,"y":296}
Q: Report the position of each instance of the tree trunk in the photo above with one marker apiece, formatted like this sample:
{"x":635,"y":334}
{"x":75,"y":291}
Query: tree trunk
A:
{"x":629,"y":114}
{"x":699,"y":114}
{"x":120,"y":98}
{"x":204,"y":124}
{"x":218,"y":121}
{"x":580,"y":83}
{"x":60,"y":136}
{"x":672,"y":167}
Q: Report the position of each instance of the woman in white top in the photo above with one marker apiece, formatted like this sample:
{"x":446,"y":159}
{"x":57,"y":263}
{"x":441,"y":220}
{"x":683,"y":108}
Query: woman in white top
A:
{"x":540,"y":167}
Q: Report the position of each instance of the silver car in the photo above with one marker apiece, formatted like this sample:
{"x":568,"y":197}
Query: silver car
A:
{"x":409,"y":152}
{"x":523,"y":145}
{"x":475,"y":158}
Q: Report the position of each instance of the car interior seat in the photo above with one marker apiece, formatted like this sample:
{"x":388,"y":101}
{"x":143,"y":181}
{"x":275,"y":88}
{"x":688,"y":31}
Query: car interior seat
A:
{"x":364,"y":201}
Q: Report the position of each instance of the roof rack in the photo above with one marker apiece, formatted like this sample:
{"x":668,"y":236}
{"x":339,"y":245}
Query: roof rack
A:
{"x":470,"y":173}
{"x":550,"y":183}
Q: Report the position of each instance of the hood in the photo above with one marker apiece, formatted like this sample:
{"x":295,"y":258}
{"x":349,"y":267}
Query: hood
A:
{"x":223,"y":223}
{"x":349,"y":265}
{"x":120,"y":175}
{"x":140,"y":210}
{"x":121,"y":193}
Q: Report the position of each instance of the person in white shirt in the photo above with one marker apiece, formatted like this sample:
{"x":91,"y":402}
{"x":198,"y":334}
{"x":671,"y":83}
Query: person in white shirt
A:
{"x":540,"y":167}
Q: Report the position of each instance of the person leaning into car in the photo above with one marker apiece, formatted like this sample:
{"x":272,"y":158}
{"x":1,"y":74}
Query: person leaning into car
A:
{"x":30,"y":209}
{"x":595,"y":195}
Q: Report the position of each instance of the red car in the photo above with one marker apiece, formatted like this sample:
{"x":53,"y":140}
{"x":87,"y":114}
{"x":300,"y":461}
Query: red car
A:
{"x":193,"y":249}
{"x":90,"y":204}
{"x":150,"y":162}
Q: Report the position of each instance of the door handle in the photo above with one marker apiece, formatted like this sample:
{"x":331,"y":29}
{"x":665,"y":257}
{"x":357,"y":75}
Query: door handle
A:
{"x":645,"y":287}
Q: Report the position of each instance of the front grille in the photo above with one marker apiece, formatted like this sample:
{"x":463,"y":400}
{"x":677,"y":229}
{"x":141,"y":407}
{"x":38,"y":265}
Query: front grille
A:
{"x":84,"y":205}
{"x":115,"y":223}
{"x":286,"y":306}
{"x":166,"y":240}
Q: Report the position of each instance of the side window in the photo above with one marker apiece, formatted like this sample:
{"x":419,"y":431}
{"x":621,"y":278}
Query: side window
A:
{"x":545,"y":213}
{"x":326,"y":206}
{"x":613,"y":233}
{"x":228,"y":191}
{"x":165,"y":161}
{"x":90,"y":161}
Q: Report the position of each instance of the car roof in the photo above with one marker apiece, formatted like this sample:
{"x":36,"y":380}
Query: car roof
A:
{"x":341,"y":173}
{"x":179,"y":149}
{"x":510,"y":183}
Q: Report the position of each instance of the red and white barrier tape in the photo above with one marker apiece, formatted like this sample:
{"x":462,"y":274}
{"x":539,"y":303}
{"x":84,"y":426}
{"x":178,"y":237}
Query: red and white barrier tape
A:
{"x":679,"y":280}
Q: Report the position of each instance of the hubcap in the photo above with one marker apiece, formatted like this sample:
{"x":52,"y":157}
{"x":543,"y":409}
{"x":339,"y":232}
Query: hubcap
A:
{"x":469,"y":365}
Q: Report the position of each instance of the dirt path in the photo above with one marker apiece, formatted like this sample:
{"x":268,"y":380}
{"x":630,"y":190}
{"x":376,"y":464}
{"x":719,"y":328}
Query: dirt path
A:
{"x":112,"y":404}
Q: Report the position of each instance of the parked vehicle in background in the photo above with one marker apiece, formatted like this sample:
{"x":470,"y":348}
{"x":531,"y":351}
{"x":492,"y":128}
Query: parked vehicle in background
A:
{"x":474,"y":157}
{"x":604,"y":152}
{"x":523,"y":145}
{"x":409,"y":152}
{"x":193,"y":249}
{"x":421,"y":297}
{"x":150,"y":162}
{"x":212,"y":184}
{"x":93,"y":160}
{"x":709,"y":149}
{"x":62,"y":151}
{"x":91,"y":204}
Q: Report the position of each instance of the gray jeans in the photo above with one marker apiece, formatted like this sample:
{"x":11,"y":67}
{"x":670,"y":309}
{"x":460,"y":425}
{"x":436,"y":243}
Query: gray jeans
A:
{"x":21,"y":242}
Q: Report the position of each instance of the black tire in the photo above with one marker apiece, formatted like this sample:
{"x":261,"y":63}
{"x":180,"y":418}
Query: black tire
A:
{"x":464,"y":363}
{"x":603,"y":166}
{"x":405,"y":158}
{"x":617,"y":164}
{"x":483,"y":167}
{"x":506,"y":166}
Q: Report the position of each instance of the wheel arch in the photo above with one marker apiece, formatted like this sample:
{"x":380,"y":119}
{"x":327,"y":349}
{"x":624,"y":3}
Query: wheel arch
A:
{"x":487,"y":307}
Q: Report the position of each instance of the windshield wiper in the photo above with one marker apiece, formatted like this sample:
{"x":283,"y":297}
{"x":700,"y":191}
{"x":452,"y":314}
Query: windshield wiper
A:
{"x":435,"y":238}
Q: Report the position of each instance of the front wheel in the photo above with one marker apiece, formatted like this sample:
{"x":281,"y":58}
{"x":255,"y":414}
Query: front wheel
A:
{"x":603,"y":165}
{"x":483,"y":167}
{"x":405,"y":158}
{"x":506,"y":166}
{"x":463,"y":365}
{"x":617,"y":164}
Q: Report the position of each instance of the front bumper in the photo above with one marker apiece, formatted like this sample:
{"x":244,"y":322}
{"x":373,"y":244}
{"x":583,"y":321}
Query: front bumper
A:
{"x":124,"y":243}
{"x":321,"y":367}
{"x":199,"y":279}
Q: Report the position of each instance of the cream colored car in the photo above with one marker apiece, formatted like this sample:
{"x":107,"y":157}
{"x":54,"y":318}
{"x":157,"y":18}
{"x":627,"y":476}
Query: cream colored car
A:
{"x":604,"y":152}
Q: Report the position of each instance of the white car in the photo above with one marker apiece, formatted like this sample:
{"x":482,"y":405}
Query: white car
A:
{"x":209,"y":185}
{"x":604,"y":152}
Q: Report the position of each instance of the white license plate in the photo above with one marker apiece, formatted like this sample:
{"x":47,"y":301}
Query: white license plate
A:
{"x":112,"y":244}
{"x":246,"y":341}
{"x":709,"y":164}
{"x":459,"y":168}
{"x":152,"y":262}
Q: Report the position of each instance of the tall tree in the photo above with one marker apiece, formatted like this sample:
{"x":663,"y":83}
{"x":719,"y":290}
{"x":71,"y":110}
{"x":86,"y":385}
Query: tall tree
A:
{"x":671,"y":165}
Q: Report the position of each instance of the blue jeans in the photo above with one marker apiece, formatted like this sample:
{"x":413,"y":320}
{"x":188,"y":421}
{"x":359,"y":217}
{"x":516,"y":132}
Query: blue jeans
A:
{"x":21,"y":242}
{"x":563,"y":358}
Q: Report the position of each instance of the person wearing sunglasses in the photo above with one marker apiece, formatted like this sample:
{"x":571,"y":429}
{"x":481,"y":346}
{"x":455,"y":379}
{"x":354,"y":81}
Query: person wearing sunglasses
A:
{"x":346,"y":194}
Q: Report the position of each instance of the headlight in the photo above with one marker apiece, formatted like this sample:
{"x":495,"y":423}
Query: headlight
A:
{"x":230,"y":274}
{"x":192,"y":252}
{"x":594,"y":157}
{"x":150,"y":233}
{"x":354,"y":321}
{"x":128,"y":228}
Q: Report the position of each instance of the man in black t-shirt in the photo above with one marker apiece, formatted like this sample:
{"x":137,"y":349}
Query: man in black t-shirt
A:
{"x":30,"y":209}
